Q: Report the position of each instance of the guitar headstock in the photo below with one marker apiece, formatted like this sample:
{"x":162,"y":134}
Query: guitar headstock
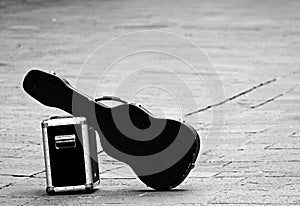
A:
{"x":46,"y":87}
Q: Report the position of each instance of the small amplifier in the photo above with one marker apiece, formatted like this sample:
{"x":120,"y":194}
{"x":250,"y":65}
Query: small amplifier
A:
{"x":70,"y":152}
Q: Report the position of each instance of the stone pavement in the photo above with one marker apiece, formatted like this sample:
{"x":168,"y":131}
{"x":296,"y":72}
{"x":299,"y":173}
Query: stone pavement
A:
{"x":255,"y":46}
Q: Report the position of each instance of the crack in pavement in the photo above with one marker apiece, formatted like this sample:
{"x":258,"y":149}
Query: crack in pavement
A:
{"x":258,"y":132}
{"x":253,"y":107}
{"x":233,"y":97}
{"x":283,"y":148}
{"x":272,"y":99}
{"x":36,"y":173}
{"x":16,"y":175}
{"x":20,"y":175}
{"x":228,"y":163}
{"x":111,"y":169}
{"x":7,"y":185}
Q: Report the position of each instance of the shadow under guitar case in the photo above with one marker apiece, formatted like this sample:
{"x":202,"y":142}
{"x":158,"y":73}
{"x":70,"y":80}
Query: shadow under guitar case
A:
{"x":70,"y":153}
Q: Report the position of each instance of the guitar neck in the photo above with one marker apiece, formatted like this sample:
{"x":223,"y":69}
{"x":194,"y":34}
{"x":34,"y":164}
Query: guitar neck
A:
{"x":82,"y":105}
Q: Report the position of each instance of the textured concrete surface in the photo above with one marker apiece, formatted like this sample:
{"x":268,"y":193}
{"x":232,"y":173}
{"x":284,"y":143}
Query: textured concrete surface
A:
{"x":255,"y":47}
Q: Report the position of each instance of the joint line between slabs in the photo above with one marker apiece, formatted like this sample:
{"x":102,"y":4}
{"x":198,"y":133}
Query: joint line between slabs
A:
{"x":233,"y":97}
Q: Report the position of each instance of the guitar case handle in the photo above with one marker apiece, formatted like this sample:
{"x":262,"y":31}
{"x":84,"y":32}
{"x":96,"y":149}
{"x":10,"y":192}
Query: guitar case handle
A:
{"x":110,"y":98}
{"x":118,"y":99}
